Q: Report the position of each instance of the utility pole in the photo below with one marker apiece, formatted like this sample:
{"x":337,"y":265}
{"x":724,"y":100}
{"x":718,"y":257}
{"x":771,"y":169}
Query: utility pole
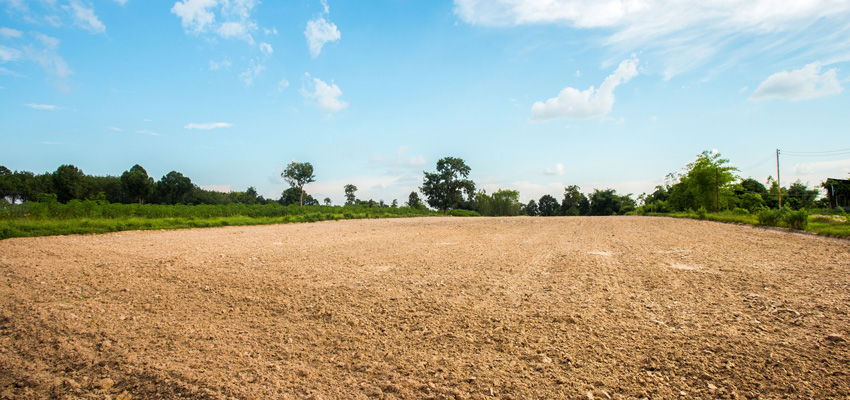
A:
{"x":778,"y":182}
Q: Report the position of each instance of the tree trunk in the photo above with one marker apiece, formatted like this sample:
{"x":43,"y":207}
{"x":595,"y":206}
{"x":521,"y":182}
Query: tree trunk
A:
{"x":301,"y":200}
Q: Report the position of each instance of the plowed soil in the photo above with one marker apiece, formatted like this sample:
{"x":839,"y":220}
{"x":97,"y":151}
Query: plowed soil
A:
{"x":434,"y":308}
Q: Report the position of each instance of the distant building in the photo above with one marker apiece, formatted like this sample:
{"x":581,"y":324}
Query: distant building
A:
{"x":838,"y":192}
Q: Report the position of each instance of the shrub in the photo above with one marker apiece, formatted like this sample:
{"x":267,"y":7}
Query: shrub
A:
{"x":797,"y":219}
{"x":463,"y":213}
{"x":769,"y":217}
{"x":702,"y":212}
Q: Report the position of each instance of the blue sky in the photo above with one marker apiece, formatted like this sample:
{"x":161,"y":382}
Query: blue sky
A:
{"x":534,"y":95}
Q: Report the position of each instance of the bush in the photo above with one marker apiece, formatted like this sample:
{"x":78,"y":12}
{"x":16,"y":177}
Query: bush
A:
{"x":769,"y":217}
{"x":701,"y":213}
{"x":463,"y":213}
{"x":797,"y":219}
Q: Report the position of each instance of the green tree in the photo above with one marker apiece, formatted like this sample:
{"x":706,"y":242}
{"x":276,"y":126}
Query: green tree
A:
{"x":136,"y":183}
{"x":709,"y":181}
{"x":174,"y":188}
{"x":8,"y":184}
{"x":530,"y":209}
{"x":605,"y":202}
{"x":294,"y":195}
{"x":505,"y":202}
{"x":413,"y":201}
{"x":547,"y":206}
{"x":444,"y":189}
{"x":68,"y":183}
{"x":574,"y":202}
{"x":298,"y":175}
{"x":350,"y":198}
{"x":800,"y":196}
{"x":328,"y":201}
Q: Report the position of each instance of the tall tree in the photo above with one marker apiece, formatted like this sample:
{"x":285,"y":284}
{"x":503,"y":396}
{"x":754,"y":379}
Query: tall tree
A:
{"x":68,"y":183}
{"x":350,"y":197}
{"x":298,"y":175}
{"x":605,"y":202}
{"x":444,"y":189}
{"x":413,"y":200}
{"x":136,"y":183}
{"x":708,"y":181}
{"x":174,"y":188}
{"x":547,"y":206}
{"x":530,"y":209}
{"x":505,"y":202}
{"x":574,"y":202}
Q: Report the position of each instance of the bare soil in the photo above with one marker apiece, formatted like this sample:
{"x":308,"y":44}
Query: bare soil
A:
{"x":434,"y":308}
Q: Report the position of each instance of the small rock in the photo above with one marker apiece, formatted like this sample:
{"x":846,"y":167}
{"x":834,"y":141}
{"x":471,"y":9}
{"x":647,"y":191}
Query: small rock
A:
{"x":546,"y":360}
{"x":589,"y":395}
{"x":712,"y":387}
{"x":124,"y":396}
{"x":72,"y":383}
{"x":683,"y":393}
{"x":835,"y":338}
{"x":105,"y":384}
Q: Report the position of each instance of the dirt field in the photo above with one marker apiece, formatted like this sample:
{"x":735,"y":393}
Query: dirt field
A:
{"x":439,"y":308}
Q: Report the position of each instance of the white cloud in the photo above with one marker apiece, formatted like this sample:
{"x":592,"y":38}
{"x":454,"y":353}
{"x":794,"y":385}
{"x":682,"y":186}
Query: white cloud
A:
{"x":801,"y":84}
{"x":48,"y":107}
{"x":819,"y":170}
{"x":283,"y":84}
{"x":48,"y":56}
{"x":195,"y":14}
{"x":233,"y":20}
{"x":558,"y":169}
{"x":215,"y":66}
{"x":85,"y":17}
{"x":572,"y":103}
{"x":247,"y":77}
{"x":115,"y":129}
{"x":326,"y":96}
{"x":212,"y":125}
{"x":147,"y":132}
{"x":9,"y":54}
{"x":121,"y":2}
{"x":10,"y":33}
{"x":318,"y":32}
{"x":266,"y":48}
{"x":401,"y":159}
{"x":272,"y":31}
{"x":683,"y":34}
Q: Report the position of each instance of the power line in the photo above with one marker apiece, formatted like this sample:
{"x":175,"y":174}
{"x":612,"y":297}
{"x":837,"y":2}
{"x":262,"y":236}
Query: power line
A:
{"x":826,"y":153}
{"x":759,"y":164}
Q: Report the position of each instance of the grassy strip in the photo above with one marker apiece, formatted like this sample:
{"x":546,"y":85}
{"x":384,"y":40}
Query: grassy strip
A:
{"x":48,"y":227}
{"x":819,"y":224}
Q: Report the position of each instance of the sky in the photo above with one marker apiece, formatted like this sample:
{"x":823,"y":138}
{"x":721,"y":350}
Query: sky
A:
{"x":533,"y":95}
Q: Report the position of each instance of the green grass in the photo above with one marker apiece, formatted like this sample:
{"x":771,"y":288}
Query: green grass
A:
{"x":826,"y":225}
{"x":29,"y":220}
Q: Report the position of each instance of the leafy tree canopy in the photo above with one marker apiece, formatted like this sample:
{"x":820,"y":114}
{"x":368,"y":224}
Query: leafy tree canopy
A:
{"x":298,"y":175}
{"x":444,"y":188}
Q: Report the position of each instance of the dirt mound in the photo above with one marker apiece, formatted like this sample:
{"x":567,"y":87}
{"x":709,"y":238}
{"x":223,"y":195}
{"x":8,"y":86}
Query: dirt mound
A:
{"x":440,"y":308}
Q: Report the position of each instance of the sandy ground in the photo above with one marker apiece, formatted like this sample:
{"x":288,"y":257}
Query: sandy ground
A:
{"x":433,"y":308}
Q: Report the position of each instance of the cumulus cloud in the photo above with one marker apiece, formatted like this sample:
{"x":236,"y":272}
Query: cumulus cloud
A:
{"x":686,"y":33}
{"x":207,"y":126}
{"x":85,"y":17}
{"x":228,"y":19}
{"x":572,"y":103}
{"x":48,"y":107}
{"x":195,"y":15}
{"x":558,"y":169}
{"x":10,"y":33}
{"x":318,"y":32}
{"x":327,"y":97}
{"x":800,"y":84}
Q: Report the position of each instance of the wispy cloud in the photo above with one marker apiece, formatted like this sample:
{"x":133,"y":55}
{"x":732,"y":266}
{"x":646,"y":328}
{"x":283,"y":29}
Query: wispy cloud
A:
{"x":401,"y":159}
{"x":800,"y":84}
{"x":327,"y":97}
{"x":207,"y":126}
{"x":266,"y":48}
{"x":85,"y":17}
{"x":247,"y":77}
{"x":51,"y":143}
{"x":681,"y":35}
{"x":572,"y":103}
{"x":114,"y":129}
{"x":147,"y":132}
{"x":48,"y":107}
{"x":216,"y":65}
